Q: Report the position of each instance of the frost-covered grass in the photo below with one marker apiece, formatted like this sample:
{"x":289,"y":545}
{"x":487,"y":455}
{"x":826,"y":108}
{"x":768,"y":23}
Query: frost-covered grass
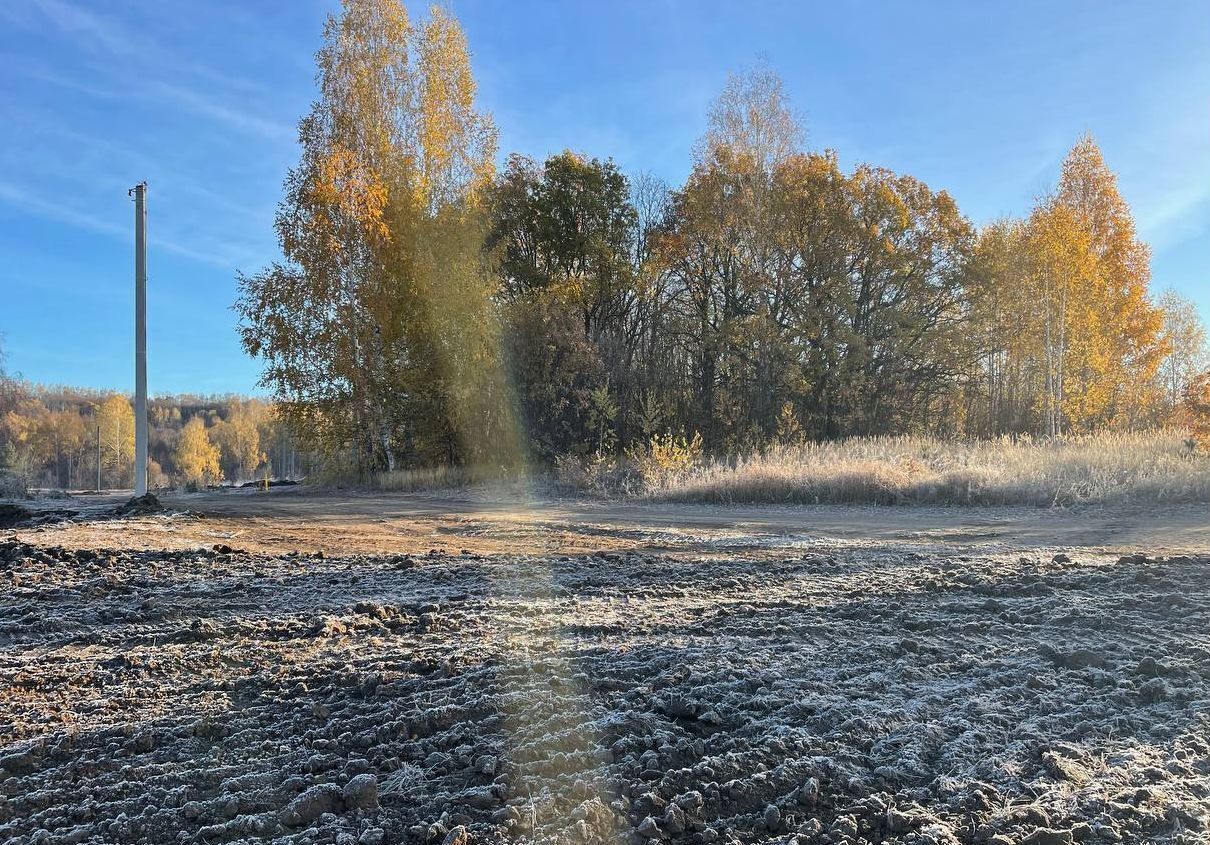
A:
{"x":1154,"y":466}
{"x":460,"y":483}
{"x":12,"y":486}
{"x":423,"y":478}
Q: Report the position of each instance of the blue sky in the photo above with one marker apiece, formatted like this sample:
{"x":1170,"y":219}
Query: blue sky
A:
{"x":201,"y":100}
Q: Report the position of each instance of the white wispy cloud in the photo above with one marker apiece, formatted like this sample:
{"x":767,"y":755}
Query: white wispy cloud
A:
{"x":1174,"y":203}
{"x":66,"y":153}
{"x":93,"y":31}
{"x":99,"y":35}
{"x":203,"y":106}
{"x":25,"y":200}
{"x":181,"y":97}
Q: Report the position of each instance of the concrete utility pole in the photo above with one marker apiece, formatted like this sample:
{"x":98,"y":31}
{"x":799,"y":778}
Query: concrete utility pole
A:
{"x":140,"y":338}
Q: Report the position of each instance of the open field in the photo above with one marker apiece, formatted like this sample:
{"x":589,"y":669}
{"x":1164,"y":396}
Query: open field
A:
{"x":481,"y":671}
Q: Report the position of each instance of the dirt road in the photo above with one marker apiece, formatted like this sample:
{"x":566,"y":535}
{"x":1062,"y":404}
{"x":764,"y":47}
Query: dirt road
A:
{"x":286,"y":519}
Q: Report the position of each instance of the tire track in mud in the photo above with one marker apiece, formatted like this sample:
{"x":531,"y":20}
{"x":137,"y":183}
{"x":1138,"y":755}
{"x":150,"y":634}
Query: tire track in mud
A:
{"x":849,"y":696}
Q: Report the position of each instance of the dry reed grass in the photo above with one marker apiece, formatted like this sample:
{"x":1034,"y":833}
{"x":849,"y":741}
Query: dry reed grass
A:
{"x":1154,"y":466}
{"x":1147,"y":467}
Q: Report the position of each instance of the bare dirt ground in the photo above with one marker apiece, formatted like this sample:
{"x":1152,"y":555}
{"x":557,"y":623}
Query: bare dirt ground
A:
{"x":305,"y":668}
{"x":510,"y":521}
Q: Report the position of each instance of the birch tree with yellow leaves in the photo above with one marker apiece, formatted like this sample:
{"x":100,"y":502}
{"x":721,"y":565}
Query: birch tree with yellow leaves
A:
{"x":197,"y":458}
{"x":115,"y":420}
{"x":1061,"y":304}
{"x":1124,"y":328}
{"x":1187,"y":354}
{"x":373,"y":325}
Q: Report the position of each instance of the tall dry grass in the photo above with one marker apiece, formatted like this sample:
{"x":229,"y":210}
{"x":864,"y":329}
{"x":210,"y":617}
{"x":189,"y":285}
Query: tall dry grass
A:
{"x":483,"y":480}
{"x":1153,"y":467}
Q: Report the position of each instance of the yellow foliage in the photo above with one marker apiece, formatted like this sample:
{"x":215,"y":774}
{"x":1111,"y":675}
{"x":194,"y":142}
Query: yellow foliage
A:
{"x":347,"y":182}
{"x":381,"y":313}
{"x":1062,"y":301}
{"x":788,"y":428}
{"x":196,"y":457}
{"x":115,"y":418}
{"x":20,"y":424}
{"x":458,"y":146}
{"x":239,"y":440}
{"x":666,"y":456}
{"x":1197,"y":404}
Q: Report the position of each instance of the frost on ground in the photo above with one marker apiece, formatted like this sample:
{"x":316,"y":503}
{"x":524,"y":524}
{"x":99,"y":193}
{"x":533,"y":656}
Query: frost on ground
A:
{"x":839,"y":696}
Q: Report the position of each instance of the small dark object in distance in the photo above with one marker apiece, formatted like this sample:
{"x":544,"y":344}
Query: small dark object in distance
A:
{"x":140,"y":506}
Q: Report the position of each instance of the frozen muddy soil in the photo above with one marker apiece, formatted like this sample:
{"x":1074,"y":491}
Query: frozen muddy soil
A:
{"x":850,"y":696}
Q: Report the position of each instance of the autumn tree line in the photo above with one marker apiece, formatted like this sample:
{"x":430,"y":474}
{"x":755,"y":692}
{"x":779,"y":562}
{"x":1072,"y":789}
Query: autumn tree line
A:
{"x":60,"y":437}
{"x":430,"y":309}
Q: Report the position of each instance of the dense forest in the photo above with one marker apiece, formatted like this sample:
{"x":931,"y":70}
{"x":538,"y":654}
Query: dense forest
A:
{"x":432,"y":310}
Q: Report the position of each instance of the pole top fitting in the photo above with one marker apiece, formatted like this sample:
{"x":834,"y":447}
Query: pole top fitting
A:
{"x":142,"y":186}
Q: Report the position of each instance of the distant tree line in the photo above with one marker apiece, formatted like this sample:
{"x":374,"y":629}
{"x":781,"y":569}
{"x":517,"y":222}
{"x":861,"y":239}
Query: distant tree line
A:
{"x":59,"y":437}
{"x":431,"y":310}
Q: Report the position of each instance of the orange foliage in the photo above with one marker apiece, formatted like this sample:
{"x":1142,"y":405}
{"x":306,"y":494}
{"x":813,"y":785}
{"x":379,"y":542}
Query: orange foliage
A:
{"x":1197,"y":404}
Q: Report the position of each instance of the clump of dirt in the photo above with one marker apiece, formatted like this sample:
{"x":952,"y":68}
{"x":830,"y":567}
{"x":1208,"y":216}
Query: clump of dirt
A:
{"x":144,"y":505}
{"x":839,"y":697}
